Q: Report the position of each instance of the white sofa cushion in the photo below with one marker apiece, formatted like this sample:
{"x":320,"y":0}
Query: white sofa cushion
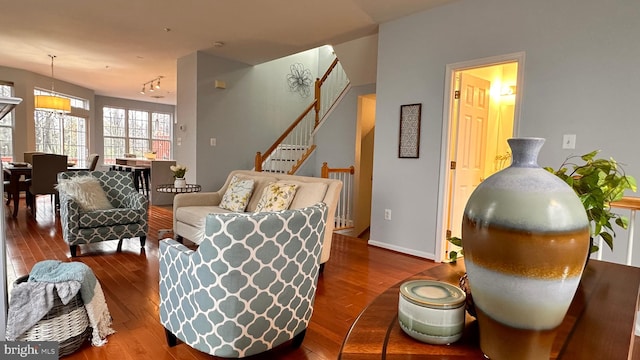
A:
{"x":307,"y":193}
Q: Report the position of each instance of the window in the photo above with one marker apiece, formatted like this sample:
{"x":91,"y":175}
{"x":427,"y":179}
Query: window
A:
{"x":6,"y":126}
{"x":161,"y":135}
{"x":66,"y":134}
{"x":129,"y":131}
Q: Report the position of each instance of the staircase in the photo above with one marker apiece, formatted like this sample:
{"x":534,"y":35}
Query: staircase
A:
{"x":296,"y":144}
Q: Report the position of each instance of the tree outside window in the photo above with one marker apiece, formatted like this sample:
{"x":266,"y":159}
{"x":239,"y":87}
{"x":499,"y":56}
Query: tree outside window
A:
{"x":130,"y":131}
{"x":58,"y":133}
{"x":6,"y":127}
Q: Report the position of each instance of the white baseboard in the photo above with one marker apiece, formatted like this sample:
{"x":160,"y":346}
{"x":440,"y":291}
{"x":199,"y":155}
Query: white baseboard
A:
{"x":426,"y":255}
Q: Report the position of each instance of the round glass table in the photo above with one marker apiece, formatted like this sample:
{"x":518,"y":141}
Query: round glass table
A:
{"x":170,"y":188}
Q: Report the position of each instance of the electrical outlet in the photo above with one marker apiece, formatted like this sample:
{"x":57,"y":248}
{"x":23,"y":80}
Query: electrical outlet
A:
{"x":387,"y":214}
{"x":569,"y":141}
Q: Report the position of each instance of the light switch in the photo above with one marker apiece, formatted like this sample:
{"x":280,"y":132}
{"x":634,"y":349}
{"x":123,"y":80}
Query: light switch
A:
{"x":569,"y":141}
{"x":212,"y":141}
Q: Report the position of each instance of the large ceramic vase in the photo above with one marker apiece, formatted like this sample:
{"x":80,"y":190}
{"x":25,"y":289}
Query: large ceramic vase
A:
{"x":526,"y":239}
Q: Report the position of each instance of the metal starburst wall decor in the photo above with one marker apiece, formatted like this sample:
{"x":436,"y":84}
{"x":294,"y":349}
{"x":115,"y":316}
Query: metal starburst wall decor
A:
{"x":300,"y":80}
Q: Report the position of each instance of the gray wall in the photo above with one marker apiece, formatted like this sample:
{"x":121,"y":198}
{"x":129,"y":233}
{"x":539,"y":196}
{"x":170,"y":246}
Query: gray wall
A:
{"x":336,"y":137}
{"x":185,"y":128}
{"x":246,"y":117}
{"x":580,"y":76}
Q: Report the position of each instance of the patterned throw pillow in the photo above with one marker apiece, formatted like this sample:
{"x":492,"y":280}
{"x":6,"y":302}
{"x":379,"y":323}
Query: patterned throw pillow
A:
{"x":87,"y":191}
{"x":237,"y":195}
{"x":276,"y":197}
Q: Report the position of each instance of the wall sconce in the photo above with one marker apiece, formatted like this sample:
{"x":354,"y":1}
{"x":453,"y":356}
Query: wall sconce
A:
{"x":508,"y":90}
{"x":153,"y":85}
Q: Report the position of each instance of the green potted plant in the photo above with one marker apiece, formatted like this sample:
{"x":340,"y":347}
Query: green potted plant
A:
{"x":598,"y":183}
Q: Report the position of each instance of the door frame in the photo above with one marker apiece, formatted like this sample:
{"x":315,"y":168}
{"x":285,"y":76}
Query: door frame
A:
{"x":445,"y":159}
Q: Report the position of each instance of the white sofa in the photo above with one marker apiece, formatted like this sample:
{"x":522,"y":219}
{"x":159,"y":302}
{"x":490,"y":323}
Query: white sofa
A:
{"x":190,"y":209}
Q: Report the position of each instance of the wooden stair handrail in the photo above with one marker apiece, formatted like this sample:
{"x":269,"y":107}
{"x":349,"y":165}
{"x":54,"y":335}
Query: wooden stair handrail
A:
{"x":318,"y":93}
{"x":632,"y":204}
{"x":260,"y":157}
{"x":326,"y":74}
{"x":627,"y":202}
{"x":324,"y":172}
{"x":315,"y":105}
{"x":302,"y":159}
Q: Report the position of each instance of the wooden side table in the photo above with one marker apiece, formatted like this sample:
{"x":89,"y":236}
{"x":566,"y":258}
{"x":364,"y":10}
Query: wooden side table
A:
{"x":171,"y":189}
{"x":599,"y":324}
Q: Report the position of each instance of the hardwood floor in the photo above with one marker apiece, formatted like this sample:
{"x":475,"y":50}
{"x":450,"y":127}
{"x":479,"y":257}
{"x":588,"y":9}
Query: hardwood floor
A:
{"x":355,"y":274}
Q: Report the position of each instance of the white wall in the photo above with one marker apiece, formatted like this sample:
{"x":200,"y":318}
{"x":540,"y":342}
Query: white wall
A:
{"x":580,"y":77}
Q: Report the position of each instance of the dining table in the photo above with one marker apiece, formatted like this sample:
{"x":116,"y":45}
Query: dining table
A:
{"x":18,"y":171}
{"x":15,"y":172}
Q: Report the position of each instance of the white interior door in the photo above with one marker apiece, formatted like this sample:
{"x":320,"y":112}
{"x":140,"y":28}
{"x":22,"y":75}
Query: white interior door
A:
{"x":473,"y":113}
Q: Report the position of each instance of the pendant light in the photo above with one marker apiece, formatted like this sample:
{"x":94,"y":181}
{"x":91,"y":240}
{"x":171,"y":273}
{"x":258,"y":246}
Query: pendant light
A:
{"x":52,"y":102}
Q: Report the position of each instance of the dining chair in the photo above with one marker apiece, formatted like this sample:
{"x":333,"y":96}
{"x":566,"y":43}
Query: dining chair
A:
{"x":44,"y":172}
{"x":28,"y":156}
{"x":92,"y":161}
{"x":6,"y":181}
{"x":14,"y":184}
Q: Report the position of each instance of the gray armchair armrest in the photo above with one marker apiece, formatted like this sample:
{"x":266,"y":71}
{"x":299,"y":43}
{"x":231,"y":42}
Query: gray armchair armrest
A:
{"x":69,"y":215}
{"x":135,"y":201}
{"x":171,"y":250}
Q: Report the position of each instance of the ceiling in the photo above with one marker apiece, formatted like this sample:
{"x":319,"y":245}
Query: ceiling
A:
{"x":115,"y":46}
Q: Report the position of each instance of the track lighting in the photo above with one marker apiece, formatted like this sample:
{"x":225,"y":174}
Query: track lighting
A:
{"x":152,"y":86}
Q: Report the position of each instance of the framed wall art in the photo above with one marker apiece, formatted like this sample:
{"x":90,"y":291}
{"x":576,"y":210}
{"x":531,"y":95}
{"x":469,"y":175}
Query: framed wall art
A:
{"x":409,"y":144}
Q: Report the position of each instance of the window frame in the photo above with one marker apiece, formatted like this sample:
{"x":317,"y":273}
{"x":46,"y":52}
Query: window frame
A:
{"x":64,"y":125}
{"x":130,"y":138}
{"x":7,"y":89}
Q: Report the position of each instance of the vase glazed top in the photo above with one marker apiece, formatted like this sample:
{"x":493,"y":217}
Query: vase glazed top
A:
{"x":525,"y":196}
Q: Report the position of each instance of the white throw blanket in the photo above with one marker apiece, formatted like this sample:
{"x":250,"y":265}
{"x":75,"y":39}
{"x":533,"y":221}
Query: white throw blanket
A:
{"x":31,"y":300}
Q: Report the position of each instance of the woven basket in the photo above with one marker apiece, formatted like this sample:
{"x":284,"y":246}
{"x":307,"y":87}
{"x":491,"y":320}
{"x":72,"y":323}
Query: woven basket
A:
{"x":66,"y":324}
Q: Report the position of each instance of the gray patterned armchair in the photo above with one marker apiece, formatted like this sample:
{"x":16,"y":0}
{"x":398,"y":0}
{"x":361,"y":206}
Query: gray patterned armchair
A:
{"x":250,"y":285}
{"x":127,"y":219}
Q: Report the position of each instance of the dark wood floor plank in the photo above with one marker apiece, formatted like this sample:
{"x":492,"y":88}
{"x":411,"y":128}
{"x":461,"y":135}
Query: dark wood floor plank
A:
{"x":353,"y":277}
